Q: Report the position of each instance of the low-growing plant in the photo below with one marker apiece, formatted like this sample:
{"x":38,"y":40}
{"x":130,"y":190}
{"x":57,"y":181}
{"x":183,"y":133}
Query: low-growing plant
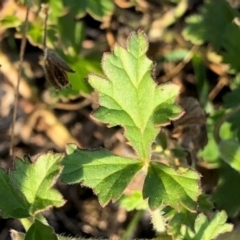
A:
{"x":129,"y":97}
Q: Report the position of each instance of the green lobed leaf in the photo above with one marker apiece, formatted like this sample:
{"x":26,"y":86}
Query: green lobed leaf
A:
{"x":28,"y":188}
{"x":107,"y":174}
{"x":40,"y":231}
{"x":129,"y":97}
{"x":205,"y":27}
{"x":205,"y":229}
{"x":165,"y":186}
{"x":35,"y":181}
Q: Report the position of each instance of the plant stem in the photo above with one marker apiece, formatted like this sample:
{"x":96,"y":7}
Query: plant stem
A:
{"x":132,"y":226}
{"x":41,"y":218}
{"x":26,"y":222}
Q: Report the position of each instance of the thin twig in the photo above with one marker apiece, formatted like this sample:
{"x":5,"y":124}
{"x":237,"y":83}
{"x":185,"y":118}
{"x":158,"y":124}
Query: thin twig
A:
{"x":123,"y":3}
{"x":72,"y":106}
{"x":110,"y":38}
{"x":223,"y":81}
{"x":21,"y":55}
{"x":131,"y":228}
{"x":45,"y":10}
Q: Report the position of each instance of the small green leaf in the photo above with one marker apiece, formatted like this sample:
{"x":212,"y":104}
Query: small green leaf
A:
{"x":56,"y":10}
{"x":178,"y":220}
{"x":82,"y":67}
{"x":133,"y":201}
{"x":35,"y":181}
{"x":175,"y":188}
{"x":10,"y":21}
{"x":40,"y":231}
{"x":194,"y":31}
{"x":28,"y":188}
{"x":34,"y":34}
{"x":107,"y":174}
{"x":230,"y":153}
{"x":205,"y":229}
{"x":129,"y":97}
{"x":184,"y":217}
{"x":210,"y":152}
{"x":176,"y":55}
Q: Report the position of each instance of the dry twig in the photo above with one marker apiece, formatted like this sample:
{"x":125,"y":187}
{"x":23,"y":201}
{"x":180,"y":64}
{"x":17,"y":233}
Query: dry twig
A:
{"x":22,"y":50}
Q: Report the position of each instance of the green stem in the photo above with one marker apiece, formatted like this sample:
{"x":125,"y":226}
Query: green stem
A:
{"x":132,"y":226}
{"x":42,"y":219}
{"x":27,"y":223}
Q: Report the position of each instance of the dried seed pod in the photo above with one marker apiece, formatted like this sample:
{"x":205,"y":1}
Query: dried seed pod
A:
{"x":55,"y":69}
{"x":190,"y":129}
